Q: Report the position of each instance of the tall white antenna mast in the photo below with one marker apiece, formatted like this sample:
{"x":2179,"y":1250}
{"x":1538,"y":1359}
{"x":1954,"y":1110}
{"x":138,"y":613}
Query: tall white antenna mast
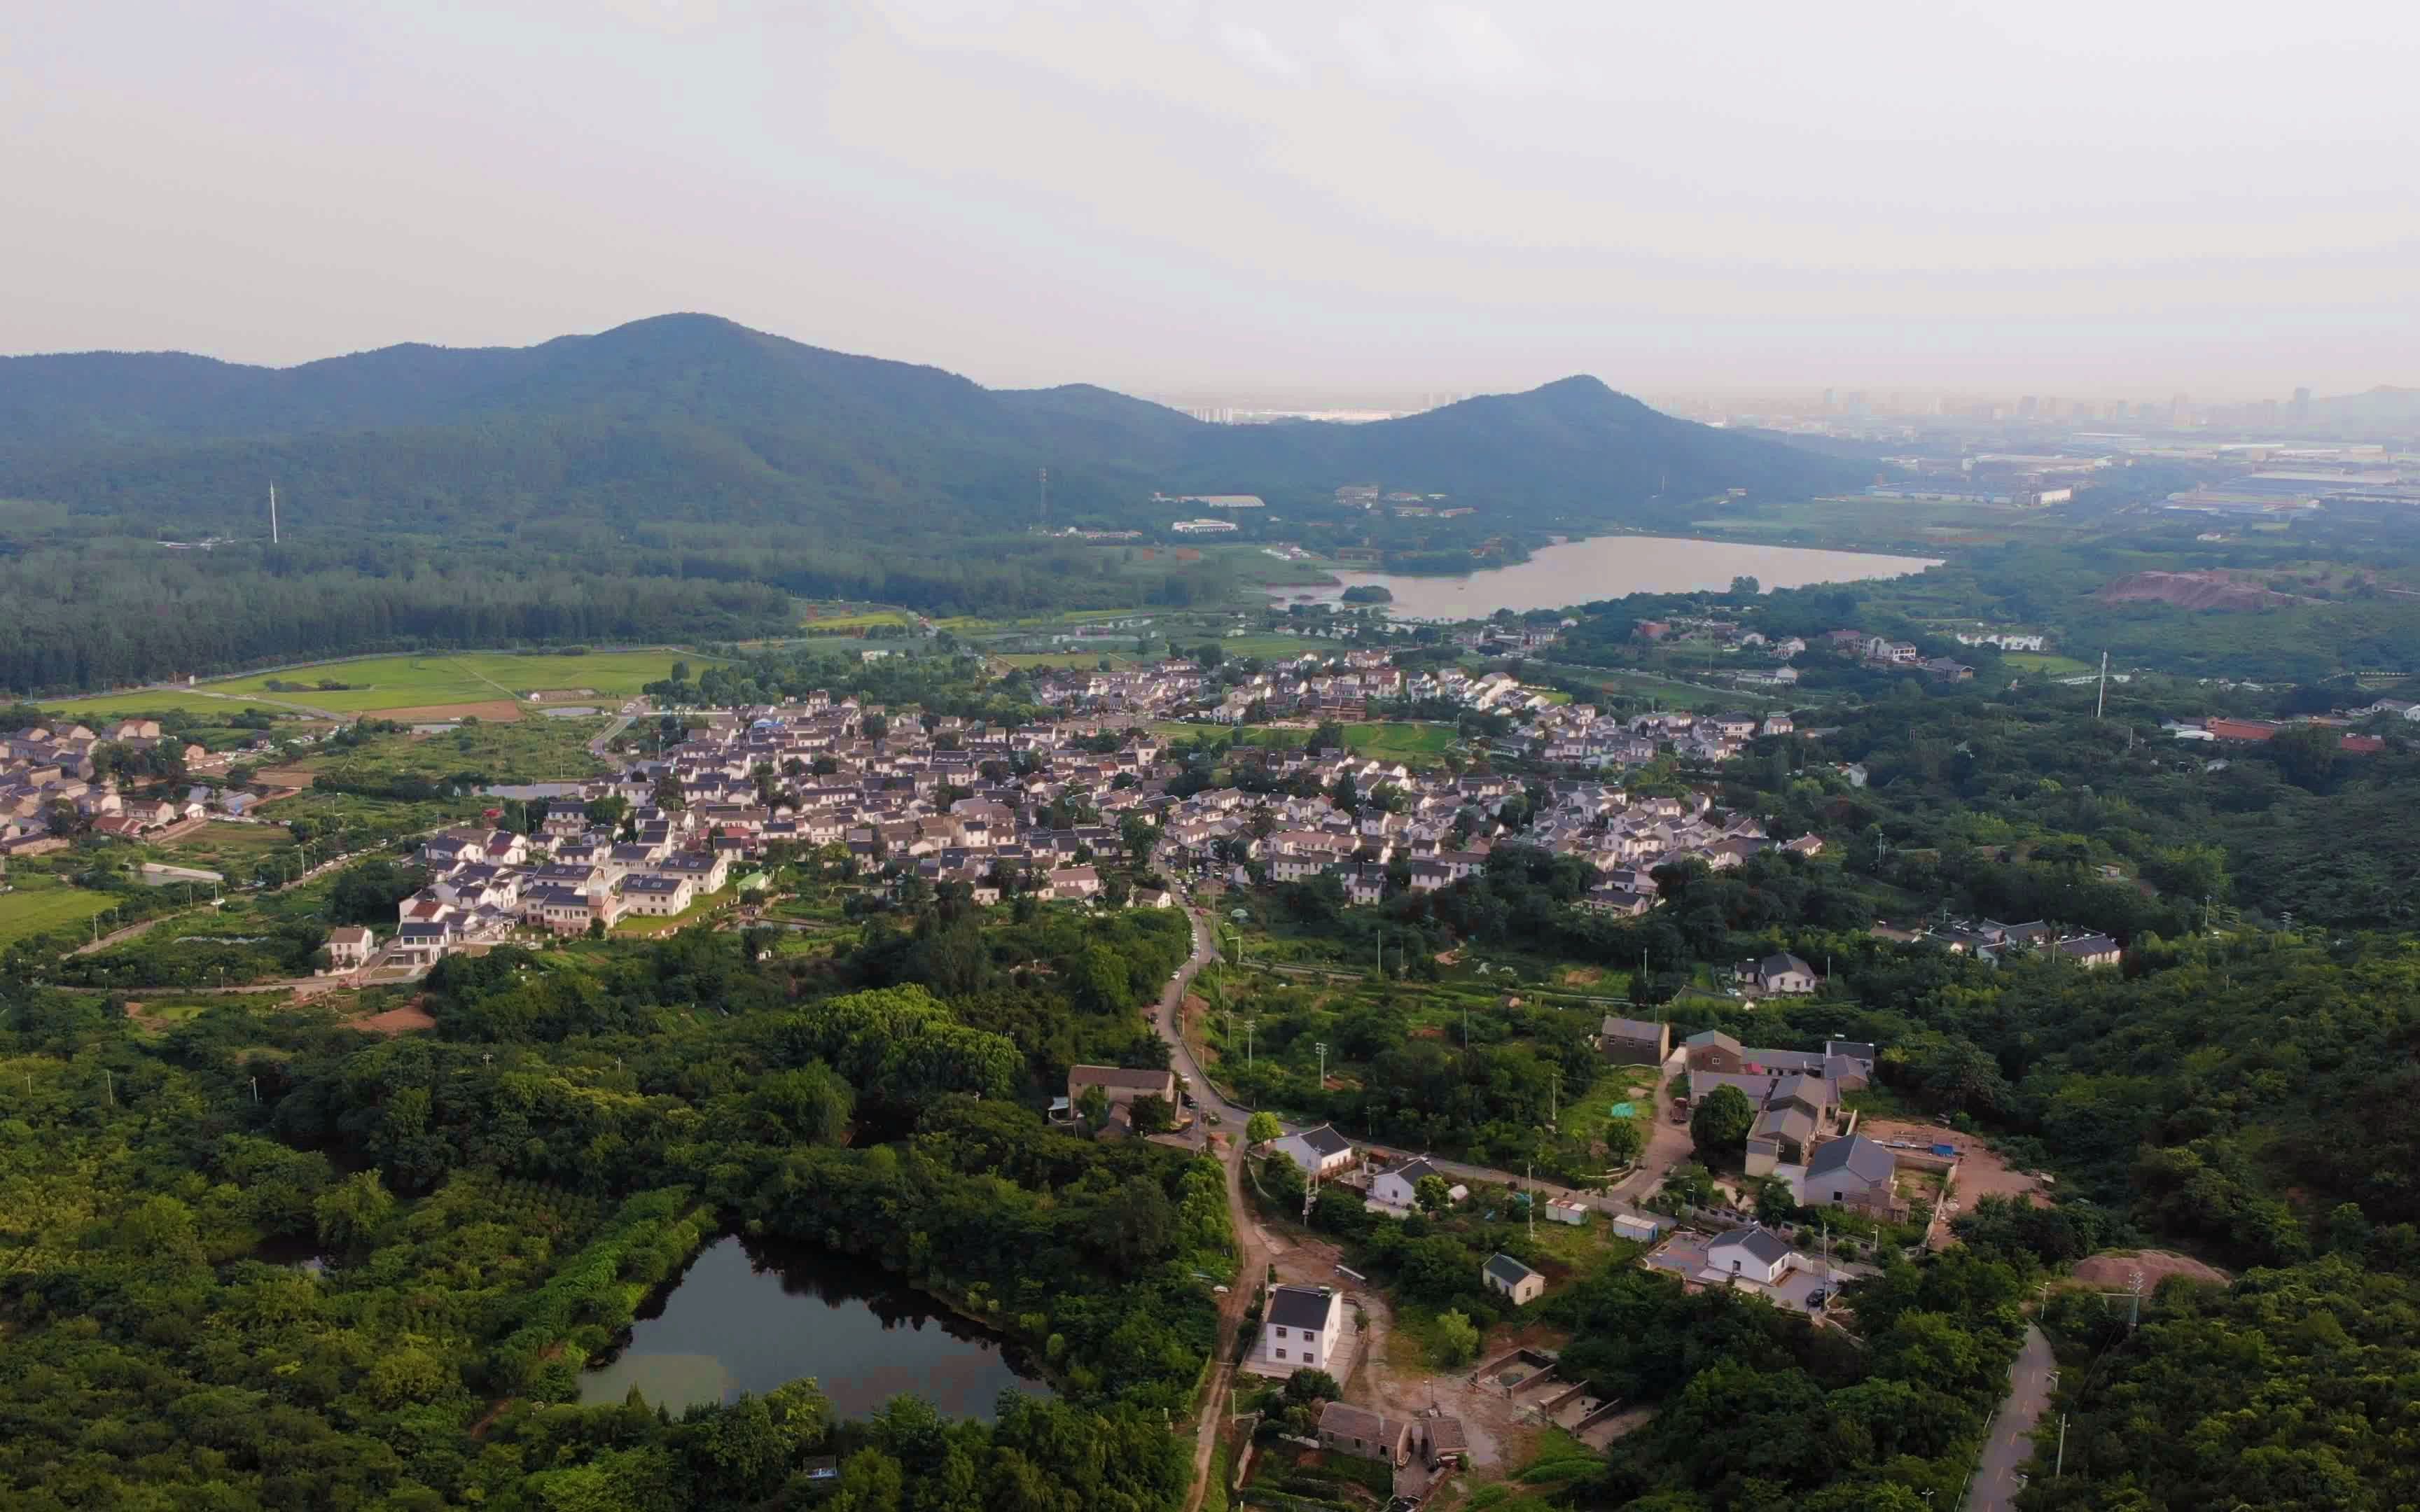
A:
{"x":273,"y":514}
{"x":2100,"y":700}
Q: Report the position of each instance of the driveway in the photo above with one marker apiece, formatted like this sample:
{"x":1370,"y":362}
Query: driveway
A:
{"x":2000,"y":1475}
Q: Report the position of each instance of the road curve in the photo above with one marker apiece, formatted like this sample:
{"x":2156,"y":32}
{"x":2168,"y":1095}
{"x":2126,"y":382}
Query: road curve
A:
{"x":1252,"y":1256}
{"x":2000,"y":1474}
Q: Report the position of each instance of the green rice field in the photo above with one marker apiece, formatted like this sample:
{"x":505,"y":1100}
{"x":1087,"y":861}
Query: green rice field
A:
{"x":380,"y":683}
{"x":36,"y":905}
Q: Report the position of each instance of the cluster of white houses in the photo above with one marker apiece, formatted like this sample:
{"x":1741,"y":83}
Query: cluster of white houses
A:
{"x":484,"y":884}
{"x":43,"y":768}
{"x":1442,"y":828}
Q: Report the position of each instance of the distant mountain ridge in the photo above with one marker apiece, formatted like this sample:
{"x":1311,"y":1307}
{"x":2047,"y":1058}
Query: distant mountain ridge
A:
{"x":693,"y":417}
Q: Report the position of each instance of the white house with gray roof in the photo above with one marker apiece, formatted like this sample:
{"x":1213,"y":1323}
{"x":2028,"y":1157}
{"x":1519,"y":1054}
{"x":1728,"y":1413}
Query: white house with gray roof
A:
{"x":1302,"y":1329}
{"x":1855,"y":1173}
{"x":1320,"y":1151}
{"x":1509,"y":1278}
{"x":1754,"y":1254}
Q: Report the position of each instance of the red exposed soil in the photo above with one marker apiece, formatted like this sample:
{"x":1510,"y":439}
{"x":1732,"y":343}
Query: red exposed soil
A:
{"x":494,"y":711}
{"x":2114,"y":1270}
{"x":404,"y":1020}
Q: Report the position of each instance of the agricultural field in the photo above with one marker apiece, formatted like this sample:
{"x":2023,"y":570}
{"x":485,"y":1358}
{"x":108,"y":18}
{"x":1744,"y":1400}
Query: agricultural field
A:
{"x":386,"y":685}
{"x":137,"y":705}
{"x":36,"y":904}
{"x":830,"y":618}
{"x":1893,"y":525}
{"x":527,"y":750}
{"x":1670,"y":694}
{"x":1072,"y":656}
{"x":2044,"y":664}
{"x":218,"y":844}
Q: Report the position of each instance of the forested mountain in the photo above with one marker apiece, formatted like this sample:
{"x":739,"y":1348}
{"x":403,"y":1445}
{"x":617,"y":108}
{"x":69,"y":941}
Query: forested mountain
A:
{"x":690,"y":417}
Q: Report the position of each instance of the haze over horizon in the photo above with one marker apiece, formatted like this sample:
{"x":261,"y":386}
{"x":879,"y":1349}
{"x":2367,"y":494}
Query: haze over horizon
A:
{"x":1164,"y":198}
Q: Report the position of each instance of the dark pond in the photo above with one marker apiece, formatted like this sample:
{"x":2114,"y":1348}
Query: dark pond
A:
{"x":299,"y":1252}
{"x":749,"y":1316}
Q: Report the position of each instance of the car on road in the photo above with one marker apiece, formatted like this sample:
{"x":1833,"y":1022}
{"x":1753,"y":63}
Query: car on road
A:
{"x":1817,"y":1298}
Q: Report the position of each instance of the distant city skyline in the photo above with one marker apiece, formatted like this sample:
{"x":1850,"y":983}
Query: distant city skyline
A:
{"x":1160,"y":196}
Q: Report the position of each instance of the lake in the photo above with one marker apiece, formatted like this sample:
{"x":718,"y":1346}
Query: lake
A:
{"x":749,"y":1316}
{"x":1610,"y":566}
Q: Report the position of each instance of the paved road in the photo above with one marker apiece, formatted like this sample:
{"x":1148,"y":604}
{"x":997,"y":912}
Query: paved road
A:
{"x":605,"y":736}
{"x":1999,"y":1476}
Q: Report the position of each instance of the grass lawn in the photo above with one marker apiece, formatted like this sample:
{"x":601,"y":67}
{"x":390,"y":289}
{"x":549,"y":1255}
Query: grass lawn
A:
{"x":1284,"y":646}
{"x":644,"y":925}
{"x":1414,"y":745}
{"x":2045,"y":663}
{"x":135,"y":706}
{"x":39,"y":903}
{"x":475,"y":677}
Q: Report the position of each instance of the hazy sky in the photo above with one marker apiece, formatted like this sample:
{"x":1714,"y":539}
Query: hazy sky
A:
{"x":2124,"y":197}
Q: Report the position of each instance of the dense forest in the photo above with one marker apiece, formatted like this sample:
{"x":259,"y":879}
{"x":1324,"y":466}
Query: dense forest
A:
{"x":83,"y":605}
{"x":494,"y":1201}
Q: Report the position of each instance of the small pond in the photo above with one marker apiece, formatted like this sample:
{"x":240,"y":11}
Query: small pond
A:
{"x":526,"y":791}
{"x":749,"y":1316}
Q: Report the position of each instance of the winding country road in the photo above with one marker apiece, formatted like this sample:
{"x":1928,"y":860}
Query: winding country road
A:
{"x":2000,"y":1474}
{"x":1667,"y":1146}
{"x":1252,"y":1258}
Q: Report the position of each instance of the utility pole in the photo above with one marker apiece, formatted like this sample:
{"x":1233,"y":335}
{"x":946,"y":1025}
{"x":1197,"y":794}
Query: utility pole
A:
{"x":1248,"y":1043}
{"x":109,"y":1088}
{"x":1555,"y":1100}
{"x":2100,"y":700}
{"x":273,"y":514}
{"x":2058,"y":1467}
{"x":1322,"y":1048}
{"x":1530,"y":1174}
{"x":1046,"y":497}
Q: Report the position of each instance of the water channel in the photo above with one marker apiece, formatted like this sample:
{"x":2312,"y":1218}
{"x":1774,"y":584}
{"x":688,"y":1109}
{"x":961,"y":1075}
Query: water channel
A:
{"x":748,"y":1316}
{"x":1610,"y":566}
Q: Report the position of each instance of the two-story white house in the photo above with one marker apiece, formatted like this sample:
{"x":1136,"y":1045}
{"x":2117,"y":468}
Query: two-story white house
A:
{"x":1303,"y":1330}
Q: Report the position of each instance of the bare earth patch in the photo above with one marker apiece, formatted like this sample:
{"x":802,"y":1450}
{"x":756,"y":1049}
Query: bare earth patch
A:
{"x":404,"y":1020}
{"x":2114,"y":1270}
{"x":1982,"y":1172}
{"x":494,"y":711}
{"x":1583,"y":976}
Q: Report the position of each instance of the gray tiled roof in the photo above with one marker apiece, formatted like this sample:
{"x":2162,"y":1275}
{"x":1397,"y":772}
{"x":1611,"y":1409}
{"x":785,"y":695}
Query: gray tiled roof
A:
{"x":1763,"y":1244}
{"x":1858,"y":1155}
{"x":1300,"y":1306}
{"x":1506,"y":1268}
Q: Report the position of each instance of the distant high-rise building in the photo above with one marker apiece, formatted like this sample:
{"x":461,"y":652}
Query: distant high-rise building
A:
{"x":2302,"y":406}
